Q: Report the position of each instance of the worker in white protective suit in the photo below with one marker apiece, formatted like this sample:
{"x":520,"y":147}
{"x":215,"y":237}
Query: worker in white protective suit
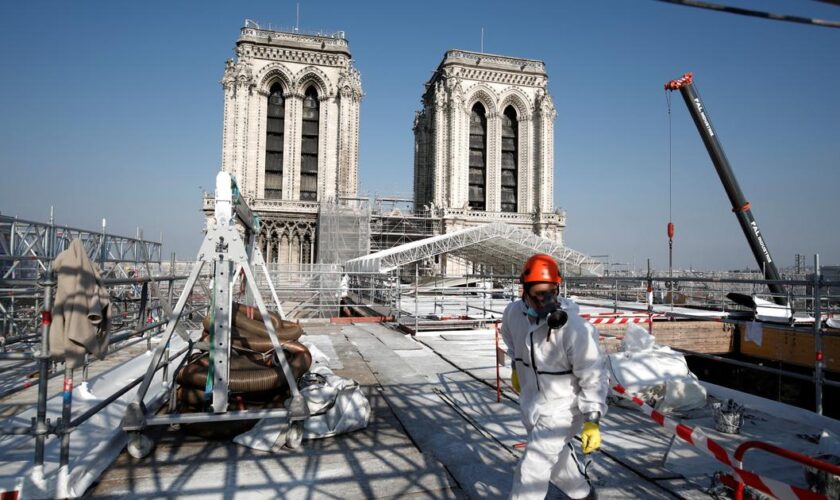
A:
{"x":560,"y":374}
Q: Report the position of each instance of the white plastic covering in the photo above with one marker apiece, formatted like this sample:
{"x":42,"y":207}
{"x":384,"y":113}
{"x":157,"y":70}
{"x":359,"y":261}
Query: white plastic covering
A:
{"x":94,"y":444}
{"x":656,"y":372}
{"x":337,"y":404}
{"x":637,"y":338}
{"x":347,"y":408}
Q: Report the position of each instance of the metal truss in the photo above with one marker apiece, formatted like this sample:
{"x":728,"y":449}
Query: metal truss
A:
{"x":26,"y":248}
{"x":497,"y":246}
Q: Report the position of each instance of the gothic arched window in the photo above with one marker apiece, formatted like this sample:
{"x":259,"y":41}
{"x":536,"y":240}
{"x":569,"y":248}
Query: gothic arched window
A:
{"x":510,"y":159}
{"x":274,"y":143}
{"x":478,"y":158}
{"x":309,"y":146}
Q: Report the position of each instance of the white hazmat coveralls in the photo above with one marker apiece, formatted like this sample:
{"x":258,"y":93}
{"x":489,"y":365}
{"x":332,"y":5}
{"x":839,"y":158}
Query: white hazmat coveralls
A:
{"x":562,"y":376}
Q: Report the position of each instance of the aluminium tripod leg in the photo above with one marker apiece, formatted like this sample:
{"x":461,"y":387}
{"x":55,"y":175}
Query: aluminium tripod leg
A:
{"x":259,"y":261}
{"x":135,"y":414}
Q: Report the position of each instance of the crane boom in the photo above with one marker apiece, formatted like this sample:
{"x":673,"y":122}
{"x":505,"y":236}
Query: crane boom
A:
{"x":740,"y":205}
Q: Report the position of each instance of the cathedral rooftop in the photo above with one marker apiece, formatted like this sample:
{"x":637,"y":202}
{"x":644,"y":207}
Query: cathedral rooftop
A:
{"x":294,"y":38}
{"x":492,"y":61}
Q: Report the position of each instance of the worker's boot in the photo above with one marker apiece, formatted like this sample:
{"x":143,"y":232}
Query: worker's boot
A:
{"x":593,"y":495}
{"x":556,"y":493}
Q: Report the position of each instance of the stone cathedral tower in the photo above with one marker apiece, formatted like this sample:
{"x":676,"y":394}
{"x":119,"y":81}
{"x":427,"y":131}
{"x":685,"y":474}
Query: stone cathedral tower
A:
{"x":291,"y":132}
{"x":484,"y":144}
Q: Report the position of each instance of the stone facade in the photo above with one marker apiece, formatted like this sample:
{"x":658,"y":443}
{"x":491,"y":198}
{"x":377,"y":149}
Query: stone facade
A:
{"x":291,"y":132}
{"x":484,"y":144}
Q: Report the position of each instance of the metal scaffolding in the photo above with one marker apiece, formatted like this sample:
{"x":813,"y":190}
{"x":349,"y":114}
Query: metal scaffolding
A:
{"x":26,"y":247}
{"x":343,"y":230}
{"x":394,"y":222}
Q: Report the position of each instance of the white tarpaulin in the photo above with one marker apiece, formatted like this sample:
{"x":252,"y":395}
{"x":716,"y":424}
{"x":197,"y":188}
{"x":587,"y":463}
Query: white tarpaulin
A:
{"x":657,"y":371}
{"x":337,"y":405}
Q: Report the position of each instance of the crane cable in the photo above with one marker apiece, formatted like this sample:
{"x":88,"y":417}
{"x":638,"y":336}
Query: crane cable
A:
{"x":825,"y":23}
{"x":670,"y":169}
{"x":670,"y":286}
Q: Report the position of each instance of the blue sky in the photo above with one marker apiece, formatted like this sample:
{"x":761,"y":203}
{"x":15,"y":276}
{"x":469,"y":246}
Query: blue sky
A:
{"x":111,"y":109}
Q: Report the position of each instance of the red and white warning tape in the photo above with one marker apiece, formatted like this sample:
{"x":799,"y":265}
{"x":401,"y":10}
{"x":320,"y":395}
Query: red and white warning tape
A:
{"x":619,"y":319}
{"x":699,"y":440}
{"x":622,"y":320}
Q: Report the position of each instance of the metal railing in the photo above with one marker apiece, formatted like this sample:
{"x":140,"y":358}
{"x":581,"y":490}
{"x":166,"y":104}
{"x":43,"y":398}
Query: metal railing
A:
{"x":33,"y":345}
{"x":27,"y":248}
{"x":477,"y":299}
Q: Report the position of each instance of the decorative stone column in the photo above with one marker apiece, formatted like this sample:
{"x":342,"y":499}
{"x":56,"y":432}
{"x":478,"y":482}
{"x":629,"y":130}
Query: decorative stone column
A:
{"x":244,"y":83}
{"x":344,"y":121}
{"x":421,"y":163}
{"x":493,"y":182}
{"x":326,"y":167}
{"x":441,"y":165}
{"x":291,"y":168}
{"x":228,"y":126}
{"x":254,"y":154}
{"x":524,"y":165}
{"x":453,"y":155}
{"x":545,"y":168}
{"x":352,"y":185}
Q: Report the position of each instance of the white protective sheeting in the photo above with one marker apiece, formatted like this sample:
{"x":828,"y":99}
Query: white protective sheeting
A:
{"x":655,"y":371}
{"x":94,"y":444}
{"x":337,"y":405}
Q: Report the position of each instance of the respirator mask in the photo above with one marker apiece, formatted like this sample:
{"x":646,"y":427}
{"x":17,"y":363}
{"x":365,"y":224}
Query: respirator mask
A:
{"x":549,"y":310}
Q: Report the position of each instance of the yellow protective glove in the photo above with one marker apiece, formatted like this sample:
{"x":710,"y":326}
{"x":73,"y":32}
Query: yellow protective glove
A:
{"x":514,"y":381}
{"x":590,"y":437}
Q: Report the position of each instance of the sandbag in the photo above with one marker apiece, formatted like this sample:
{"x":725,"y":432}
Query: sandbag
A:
{"x":347,"y":408}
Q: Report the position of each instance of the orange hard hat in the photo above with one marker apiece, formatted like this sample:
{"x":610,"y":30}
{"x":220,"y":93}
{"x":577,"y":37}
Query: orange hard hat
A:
{"x":540,"y":268}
